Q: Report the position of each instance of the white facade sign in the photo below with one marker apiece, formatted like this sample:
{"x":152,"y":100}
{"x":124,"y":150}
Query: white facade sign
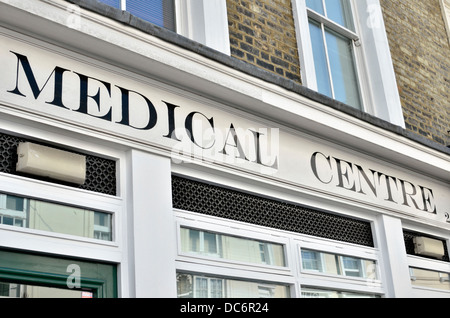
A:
{"x":100,"y":97}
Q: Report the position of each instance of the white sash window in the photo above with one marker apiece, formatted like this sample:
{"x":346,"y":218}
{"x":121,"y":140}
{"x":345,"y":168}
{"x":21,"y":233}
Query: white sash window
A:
{"x":204,"y":21}
{"x":345,"y":55}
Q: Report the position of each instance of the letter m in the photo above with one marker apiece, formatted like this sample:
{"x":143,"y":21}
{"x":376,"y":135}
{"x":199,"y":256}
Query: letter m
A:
{"x":22,"y":60}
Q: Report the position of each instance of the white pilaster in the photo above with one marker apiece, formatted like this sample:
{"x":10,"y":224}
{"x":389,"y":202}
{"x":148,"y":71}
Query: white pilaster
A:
{"x":394,"y":259}
{"x":151,"y":231}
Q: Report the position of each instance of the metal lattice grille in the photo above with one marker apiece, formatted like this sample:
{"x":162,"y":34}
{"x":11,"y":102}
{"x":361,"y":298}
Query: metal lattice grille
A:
{"x":408,"y":236}
{"x":100,"y":172}
{"x":212,"y":200}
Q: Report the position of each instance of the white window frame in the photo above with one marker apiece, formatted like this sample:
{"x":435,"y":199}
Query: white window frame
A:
{"x":445,"y":6}
{"x":360,"y":270}
{"x":265,"y":252}
{"x":219,"y":226}
{"x":378,"y":87}
{"x":202,"y":243}
{"x":100,"y":230}
{"x":59,"y":195}
{"x":58,"y":243}
{"x":208,"y":282}
{"x":326,"y":281}
{"x":319,"y":262}
{"x":430,"y":264}
{"x":15,"y":214}
{"x":292,"y":275}
{"x":355,"y":254}
{"x":326,"y":23}
{"x":204,"y":21}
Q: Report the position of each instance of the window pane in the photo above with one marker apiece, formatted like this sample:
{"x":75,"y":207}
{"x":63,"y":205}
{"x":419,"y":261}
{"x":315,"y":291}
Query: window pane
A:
{"x":193,"y":286}
{"x":231,"y":247}
{"x":343,"y":72}
{"x":315,"y":5}
{"x":351,"y":266}
{"x":201,"y":287}
{"x":30,"y":291}
{"x":113,"y":3}
{"x":320,"y":59}
{"x":8,"y":220}
{"x":321,"y":293}
{"x":14,"y":203}
{"x":159,"y":12}
{"x":57,"y":218}
{"x":311,"y":261}
{"x":216,"y":288}
{"x":339,"y":11}
{"x":210,"y":241}
{"x":430,"y":279}
{"x":314,"y":261}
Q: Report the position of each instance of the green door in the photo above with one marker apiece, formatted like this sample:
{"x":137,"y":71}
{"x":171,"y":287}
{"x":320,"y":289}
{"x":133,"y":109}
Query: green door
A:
{"x":41,"y":276}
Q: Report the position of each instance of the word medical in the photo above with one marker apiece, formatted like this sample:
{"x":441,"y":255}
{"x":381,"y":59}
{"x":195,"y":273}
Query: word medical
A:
{"x":98,"y":98}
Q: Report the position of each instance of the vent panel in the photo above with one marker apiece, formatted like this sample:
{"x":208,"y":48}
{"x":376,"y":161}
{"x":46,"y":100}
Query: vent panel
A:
{"x":216,"y":201}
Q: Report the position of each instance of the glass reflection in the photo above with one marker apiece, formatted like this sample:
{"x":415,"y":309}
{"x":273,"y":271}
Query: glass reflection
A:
{"x":430,"y":279}
{"x":343,"y":71}
{"x":52,"y":217}
{"x":228,"y":247}
{"x":320,"y":59}
{"x":322,"y":293}
{"x":316,"y":5}
{"x":339,"y":11}
{"x":327,"y":263}
{"x":12,"y":290}
{"x":201,"y":286}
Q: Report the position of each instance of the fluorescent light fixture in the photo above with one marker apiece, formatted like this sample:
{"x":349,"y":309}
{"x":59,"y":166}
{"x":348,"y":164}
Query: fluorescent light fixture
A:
{"x":428,"y":247}
{"x":50,"y":162}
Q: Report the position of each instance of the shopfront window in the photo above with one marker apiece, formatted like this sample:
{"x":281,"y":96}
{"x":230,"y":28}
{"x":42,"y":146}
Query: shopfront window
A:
{"x":311,"y":261}
{"x":159,"y":12}
{"x":259,"y":255}
{"x":33,"y":275}
{"x":327,"y":263}
{"x":56,"y":218}
{"x":198,"y":286}
{"x":430,"y":279}
{"x":13,"y":290}
{"x":323,"y":293}
{"x":229,"y":247}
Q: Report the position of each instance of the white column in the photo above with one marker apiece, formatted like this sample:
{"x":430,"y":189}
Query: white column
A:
{"x":394,"y":262}
{"x":151,"y":230}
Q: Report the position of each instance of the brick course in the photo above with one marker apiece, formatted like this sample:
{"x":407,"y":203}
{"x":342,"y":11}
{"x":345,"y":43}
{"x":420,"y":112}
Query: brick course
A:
{"x":262,"y":32}
{"x":421,"y":56}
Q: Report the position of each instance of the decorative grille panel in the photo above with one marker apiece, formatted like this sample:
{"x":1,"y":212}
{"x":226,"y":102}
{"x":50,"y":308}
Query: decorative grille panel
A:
{"x":216,"y":201}
{"x":100,"y":172}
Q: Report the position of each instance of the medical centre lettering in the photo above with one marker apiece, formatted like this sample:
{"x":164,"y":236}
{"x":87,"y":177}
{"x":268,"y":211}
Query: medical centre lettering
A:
{"x":250,"y":145}
{"x":209,"y":132}
{"x":353,"y":177}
